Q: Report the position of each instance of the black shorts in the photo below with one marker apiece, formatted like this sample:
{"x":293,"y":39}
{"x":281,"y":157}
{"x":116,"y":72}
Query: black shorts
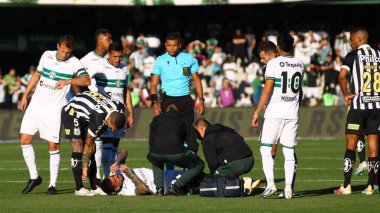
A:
{"x":359,"y":120}
{"x":74,"y":128}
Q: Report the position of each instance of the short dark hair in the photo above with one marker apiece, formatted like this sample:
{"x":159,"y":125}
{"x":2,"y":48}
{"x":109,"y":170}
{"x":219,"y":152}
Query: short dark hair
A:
{"x":106,"y":186}
{"x":363,"y":31}
{"x":267,"y":47}
{"x":173,"y":36}
{"x":118,"y":119}
{"x":115,"y":46}
{"x":285,"y":42}
{"x":67,"y":40}
{"x":101,"y":31}
{"x":201,"y":122}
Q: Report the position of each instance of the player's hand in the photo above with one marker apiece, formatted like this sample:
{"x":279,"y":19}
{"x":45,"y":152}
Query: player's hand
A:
{"x":85,"y":173}
{"x":157,"y":108}
{"x":114,"y":168}
{"x":130,"y":121}
{"x":201,"y":108}
{"x":348,"y":98}
{"x":123,"y":167}
{"x":255,"y":120}
{"x":23,"y":104}
{"x":61,"y":83}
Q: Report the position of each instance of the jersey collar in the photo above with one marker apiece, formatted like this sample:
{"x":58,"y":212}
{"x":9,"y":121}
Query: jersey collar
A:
{"x":363,"y":46}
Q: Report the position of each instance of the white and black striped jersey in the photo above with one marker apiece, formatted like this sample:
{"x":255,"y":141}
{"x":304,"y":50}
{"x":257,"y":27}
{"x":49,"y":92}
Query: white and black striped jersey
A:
{"x":363,"y":65}
{"x":94,"y":108}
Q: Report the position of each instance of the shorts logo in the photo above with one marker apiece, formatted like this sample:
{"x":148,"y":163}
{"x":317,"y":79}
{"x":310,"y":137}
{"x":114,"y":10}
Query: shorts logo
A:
{"x":67,"y":131}
{"x":353,"y":126}
{"x":347,"y":165}
{"x":76,"y":131}
{"x":186,"y":71}
{"x":71,"y":111}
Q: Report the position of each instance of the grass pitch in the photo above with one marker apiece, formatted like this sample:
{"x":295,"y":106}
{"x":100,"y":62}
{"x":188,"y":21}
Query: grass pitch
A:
{"x":320,"y":170}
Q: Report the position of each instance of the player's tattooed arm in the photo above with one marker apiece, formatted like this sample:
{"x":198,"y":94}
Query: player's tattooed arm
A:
{"x":141,"y":187}
{"x":120,"y":159}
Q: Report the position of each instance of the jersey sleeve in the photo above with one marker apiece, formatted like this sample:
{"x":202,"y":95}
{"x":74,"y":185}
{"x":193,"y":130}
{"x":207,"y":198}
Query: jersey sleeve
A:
{"x":348,"y":61}
{"x":194,"y":67}
{"x":79,"y":70}
{"x":157,"y":67}
{"x":97,"y":124}
{"x":40,"y":66}
{"x":270,"y":70}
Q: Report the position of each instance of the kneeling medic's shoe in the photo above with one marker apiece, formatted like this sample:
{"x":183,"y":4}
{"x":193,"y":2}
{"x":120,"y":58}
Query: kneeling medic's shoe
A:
{"x":369,"y":190}
{"x":247,"y":185}
{"x":83,"y":192}
{"x":362,"y":166}
{"x":343,"y":191}
{"x":269,"y":191}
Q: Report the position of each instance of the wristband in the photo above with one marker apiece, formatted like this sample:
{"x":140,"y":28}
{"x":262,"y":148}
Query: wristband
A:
{"x":153,"y":98}
{"x":201,"y":99}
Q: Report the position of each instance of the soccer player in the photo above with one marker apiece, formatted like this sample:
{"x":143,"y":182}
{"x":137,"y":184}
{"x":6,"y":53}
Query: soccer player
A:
{"x":111,"y":78}
{"x":268,"y":51}
{"x":175,"y":68}
{"x":55,"y":73}
{"x":130,"y":182}
{"x":86,"y":116}
{"x":92,"y":62}
{"x":361,"y":64}
{"x":281,"y":95}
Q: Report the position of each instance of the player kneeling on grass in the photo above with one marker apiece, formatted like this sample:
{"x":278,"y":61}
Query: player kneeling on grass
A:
{"x":226,"y":152}
{"x":85,"y":117}
{"x":130,"y":182}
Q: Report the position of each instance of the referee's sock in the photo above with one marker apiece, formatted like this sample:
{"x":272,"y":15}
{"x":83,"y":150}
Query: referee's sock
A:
{"x":349,"y":161}
{"x":76,"y":166}
{"x":373,"y":167}
{"x":55,"y":160}
{"x":30,"y":160}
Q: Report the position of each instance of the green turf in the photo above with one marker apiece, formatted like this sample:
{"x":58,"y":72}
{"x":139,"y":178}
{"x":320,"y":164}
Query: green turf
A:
{"x":319,"y":172}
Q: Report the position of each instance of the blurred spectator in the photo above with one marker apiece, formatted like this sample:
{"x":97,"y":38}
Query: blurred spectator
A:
{"x":244,"y":101}
{"x":211,"y":44}
{"x":148,"y":63}
{"x":342,"y":44}
{"x":251,"y":43}
{"x":324,"y":50}
{"x":136,"y":59}
{"x":312,"y":91}
{"x":153,"y":44}
{"x":226,"y":96}
{"x":239,"y":48}
{"x":217,"y":59}
{"x":10,"y":82}
{"x":230,"y":69}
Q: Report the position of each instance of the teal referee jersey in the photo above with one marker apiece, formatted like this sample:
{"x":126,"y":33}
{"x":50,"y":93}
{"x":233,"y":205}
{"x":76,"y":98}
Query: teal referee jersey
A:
{"x":175,"y":72}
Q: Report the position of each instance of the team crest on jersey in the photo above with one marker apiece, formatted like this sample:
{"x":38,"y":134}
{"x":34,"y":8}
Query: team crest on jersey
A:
{"x":67,"y":131}
{"x":52,"y":75}
{"x":186,"y":71}
{"x":118,"y":83}
{"x":76,"y":131}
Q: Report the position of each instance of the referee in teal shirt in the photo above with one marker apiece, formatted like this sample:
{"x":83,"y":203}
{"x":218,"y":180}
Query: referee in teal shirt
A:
{"x":175,"y":69}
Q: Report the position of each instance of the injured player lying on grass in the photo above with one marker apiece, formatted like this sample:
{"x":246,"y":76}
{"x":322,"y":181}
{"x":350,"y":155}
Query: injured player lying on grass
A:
{"x":130,"y":182}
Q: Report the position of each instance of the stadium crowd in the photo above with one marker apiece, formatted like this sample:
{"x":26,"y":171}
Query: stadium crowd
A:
{"x":231,"y":73}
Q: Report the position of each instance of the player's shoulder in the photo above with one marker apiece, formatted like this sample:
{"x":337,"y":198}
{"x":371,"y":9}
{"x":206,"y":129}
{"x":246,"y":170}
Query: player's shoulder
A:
{"x":49,"y":54}
{"x":186,"y":55}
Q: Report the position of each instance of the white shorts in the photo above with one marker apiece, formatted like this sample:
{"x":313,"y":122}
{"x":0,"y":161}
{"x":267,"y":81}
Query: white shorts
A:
{"x":45,"y":121}
{"x":313,"y":92}
{"x":279,"y":130}
{"x":109,"y":134}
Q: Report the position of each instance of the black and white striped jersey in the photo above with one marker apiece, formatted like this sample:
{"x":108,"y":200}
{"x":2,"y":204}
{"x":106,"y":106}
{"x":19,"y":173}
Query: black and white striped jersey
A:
{"x":93,"y":108}
{"x":363,"y":65}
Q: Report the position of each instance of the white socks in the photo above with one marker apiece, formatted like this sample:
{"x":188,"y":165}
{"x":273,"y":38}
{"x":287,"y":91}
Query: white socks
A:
{"x":289,"y":164}
{"x":30,"y":160}
{"x":55,"y":159}
{"x":98,"y":157}
{"x":268,"y":164}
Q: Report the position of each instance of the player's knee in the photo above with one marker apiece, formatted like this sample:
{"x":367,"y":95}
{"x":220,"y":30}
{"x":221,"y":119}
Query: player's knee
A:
{"x":288,"y":154}
{"x":266,"y":151}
